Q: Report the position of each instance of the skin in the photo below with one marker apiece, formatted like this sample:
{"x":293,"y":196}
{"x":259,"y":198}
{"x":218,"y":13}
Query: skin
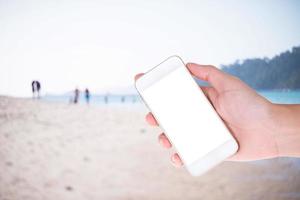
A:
{"x":262,"y":129}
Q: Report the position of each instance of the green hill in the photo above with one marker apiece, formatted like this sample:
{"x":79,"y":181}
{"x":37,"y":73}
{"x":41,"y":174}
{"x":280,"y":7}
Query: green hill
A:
{"x":280,"y":72}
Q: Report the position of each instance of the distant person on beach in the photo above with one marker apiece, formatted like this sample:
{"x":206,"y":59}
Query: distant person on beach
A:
{"x":262,"y":129}
{"x":87,"y":95}
{"x":106,"y":99}
{"x":36,"y":87}
{"x":76,"y":96}
{"x":33,"y":87}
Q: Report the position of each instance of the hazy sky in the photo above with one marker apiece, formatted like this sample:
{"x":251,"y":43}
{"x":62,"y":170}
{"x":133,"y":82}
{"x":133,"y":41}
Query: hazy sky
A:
{"x":102,"y":44}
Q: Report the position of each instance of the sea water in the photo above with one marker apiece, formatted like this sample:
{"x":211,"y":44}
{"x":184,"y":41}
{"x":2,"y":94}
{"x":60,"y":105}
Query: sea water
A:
{"x":275,"y":96}
{"x":282,"y":96}
{"x":97,"y":99}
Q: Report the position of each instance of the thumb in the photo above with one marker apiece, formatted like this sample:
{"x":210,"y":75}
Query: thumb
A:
{"x":215,"y":77}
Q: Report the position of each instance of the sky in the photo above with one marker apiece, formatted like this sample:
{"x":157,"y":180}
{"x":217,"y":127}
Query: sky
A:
{"x":103,"y":44}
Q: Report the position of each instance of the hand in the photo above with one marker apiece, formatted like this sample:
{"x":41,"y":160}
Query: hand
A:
{"x":247,"y":115}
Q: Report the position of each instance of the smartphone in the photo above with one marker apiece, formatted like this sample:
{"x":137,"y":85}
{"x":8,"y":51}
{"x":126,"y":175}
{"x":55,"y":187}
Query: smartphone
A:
{"x":181,"y":109}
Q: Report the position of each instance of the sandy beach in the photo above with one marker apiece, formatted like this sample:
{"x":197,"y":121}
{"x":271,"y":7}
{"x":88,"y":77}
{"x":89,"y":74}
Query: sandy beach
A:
{"x":59,"y":151}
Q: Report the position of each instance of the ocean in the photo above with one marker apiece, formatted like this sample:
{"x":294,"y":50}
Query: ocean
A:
{"x":282,"y":96}
{"x":275,"y":96}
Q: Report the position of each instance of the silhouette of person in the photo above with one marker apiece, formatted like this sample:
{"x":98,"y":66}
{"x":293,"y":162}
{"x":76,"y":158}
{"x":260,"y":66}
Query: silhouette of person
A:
{"x":33,"y":88}
{"x":36,"y":87}
{"x":76,"y":95}
{"x":87,"y":95}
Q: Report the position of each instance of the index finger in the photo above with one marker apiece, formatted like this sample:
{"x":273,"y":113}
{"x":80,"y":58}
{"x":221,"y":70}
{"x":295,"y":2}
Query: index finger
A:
{"x":217,"y":78}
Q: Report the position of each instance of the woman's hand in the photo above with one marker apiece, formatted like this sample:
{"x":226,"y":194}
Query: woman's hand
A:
{"x":252,"y":119}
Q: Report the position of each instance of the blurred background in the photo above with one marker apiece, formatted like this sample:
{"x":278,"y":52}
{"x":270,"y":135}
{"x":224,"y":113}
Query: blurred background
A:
{"x":55,"y":54}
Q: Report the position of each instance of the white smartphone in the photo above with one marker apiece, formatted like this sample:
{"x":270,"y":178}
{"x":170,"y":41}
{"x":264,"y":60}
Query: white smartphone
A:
{"x":181,"y":109}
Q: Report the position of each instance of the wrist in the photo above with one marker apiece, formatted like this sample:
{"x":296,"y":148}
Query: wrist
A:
{"x":285,"y":123}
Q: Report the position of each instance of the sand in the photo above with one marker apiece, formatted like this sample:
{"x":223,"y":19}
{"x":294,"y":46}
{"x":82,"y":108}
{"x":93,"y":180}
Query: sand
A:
{"x":60,"y":151}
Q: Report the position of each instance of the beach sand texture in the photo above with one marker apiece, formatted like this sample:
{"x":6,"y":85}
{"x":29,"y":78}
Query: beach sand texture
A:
{"x":60,"y":151}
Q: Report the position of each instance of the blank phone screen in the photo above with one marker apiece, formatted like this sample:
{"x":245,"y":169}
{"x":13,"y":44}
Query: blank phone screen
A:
{"x":185,"y":115}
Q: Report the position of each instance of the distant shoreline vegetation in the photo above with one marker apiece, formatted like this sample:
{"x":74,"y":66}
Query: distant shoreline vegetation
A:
{"x":282,"y":72}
